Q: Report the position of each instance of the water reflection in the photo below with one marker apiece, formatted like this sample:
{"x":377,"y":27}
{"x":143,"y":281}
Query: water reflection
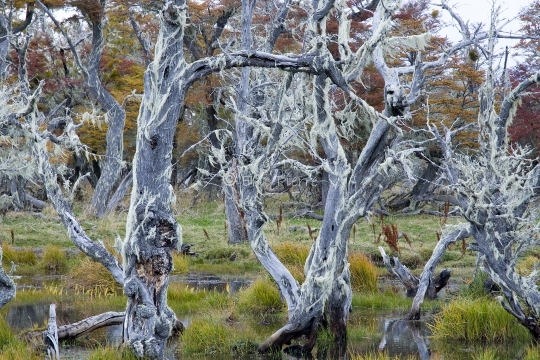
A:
{"x":212,"y":283}
{"x":22,"y":317}
{"x":402,"y":337}
{"x":36,"y":282}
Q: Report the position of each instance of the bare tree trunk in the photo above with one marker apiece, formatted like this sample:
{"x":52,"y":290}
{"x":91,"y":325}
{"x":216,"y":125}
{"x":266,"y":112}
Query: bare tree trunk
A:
{"x":51,"y":335}
{"x":236,"y":225}
{"x":7,"y":30}
{"x":112,"y":164}
{"x":120,"y":192}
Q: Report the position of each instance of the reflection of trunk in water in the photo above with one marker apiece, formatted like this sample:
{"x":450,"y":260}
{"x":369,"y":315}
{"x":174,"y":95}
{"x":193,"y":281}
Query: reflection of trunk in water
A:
{"x":401,"y":331}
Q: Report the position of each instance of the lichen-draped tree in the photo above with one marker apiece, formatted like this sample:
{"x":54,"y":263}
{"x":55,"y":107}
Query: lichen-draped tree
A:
{"x":235,"y":222}
{"x":352,"y":191}
{"x":111,"y":164}
{"x":151,"y":230}
{"x":472,"y":171}
{"x":495,"y":189}
{"x":354,"y":186}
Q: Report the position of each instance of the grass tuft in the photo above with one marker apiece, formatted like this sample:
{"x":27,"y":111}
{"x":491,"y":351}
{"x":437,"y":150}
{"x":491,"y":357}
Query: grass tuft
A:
{"x":293,"y":255}
{"x":11,"y":348}
{"x":214,"y":336}
{"x":479,"y":319}
{"x":20,"y":257}
{"x":183,"y":299}
{"x":380,"y":356}
{"x":180,"y":264}
{"x":206,"y":336}
{"x":54,"y":260}
{"x":260,"y":299}
{"x":363,"y":273}
{"x":227,"y":253}
{"x":91,"y":275}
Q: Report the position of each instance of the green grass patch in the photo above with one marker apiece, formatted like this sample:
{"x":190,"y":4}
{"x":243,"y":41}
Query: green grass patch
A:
{"x":389,"y":300}
{"x":11,"y":348}
{"x":381,"y":355}
{"x":23,"y":256}
{"x":292,"y":253}
{"x":183,"y":299}
{"x":226,"y":253}
{"x":480,"y":319}
{"x":91,"y":275}
{"x":180,"y":264}
{"x":213,"y":336}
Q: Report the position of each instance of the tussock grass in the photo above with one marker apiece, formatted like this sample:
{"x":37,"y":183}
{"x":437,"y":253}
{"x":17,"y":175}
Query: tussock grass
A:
{"x":206,"y":336}
{"x":226,"y":253}
{"x":54,"y":260}
{"x":89,"y":275}
{"x":487,"y":354}
{"x":481,"y":319}
{"x":293,"y":255}
{"x":11,"y":348}
{"x":261,"y":298}
{"x":20,"y":257}
{"x":180,"y":264}
{"x":526,"y":265}
{"x":363,"y":273}
{"x":532,"y":353}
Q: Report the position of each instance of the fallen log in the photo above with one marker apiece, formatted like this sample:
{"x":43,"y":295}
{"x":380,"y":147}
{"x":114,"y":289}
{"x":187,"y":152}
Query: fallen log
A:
{"x":72,"y":331}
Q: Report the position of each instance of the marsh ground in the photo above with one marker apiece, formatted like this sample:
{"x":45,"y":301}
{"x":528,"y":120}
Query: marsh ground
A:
{"x":224,"y":295}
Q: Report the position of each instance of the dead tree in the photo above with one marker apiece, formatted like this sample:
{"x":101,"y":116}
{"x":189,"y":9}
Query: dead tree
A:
{"x":112,"y":164}
{"x":495,"y":188}
{"x":353,"y":187}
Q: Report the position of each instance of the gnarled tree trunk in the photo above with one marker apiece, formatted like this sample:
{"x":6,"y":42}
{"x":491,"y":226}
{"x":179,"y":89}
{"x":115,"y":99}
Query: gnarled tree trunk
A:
{"x":152,"y":231}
